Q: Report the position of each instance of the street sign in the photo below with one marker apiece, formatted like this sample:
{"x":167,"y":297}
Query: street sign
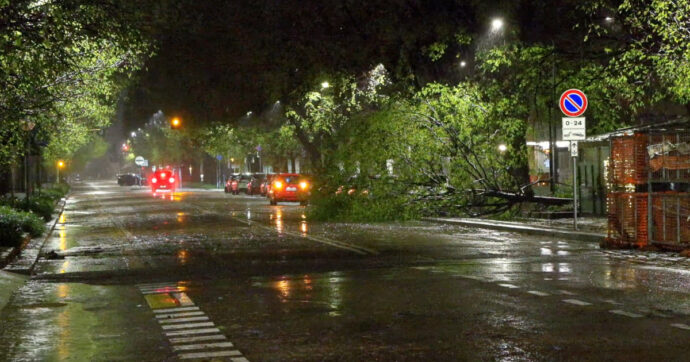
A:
{"x":219,"y":157}
{"x":573,"y":149}
{"x":574,"y":128}
{"x":139,"y":161}
{"x":573,"y":103}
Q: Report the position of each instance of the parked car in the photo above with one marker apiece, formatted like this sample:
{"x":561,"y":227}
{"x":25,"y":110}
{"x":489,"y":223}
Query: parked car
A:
{"x":231,"y":185}
{"x":254,"y":185}
{"x":289,"y":187}
{"x":128,"y":179}
{"x":266,"y":184}
{"x":242,"y":182}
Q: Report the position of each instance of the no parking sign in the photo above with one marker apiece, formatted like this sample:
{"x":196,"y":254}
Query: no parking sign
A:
{"x":573,"y":103}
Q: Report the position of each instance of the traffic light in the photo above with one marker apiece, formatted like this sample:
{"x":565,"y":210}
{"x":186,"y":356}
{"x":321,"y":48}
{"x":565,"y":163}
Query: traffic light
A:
{"x":175,"y":123}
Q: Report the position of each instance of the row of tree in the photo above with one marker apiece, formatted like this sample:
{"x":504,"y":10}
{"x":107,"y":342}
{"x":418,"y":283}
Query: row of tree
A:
{"x":63,"y":66}
{"x":416,"y":115}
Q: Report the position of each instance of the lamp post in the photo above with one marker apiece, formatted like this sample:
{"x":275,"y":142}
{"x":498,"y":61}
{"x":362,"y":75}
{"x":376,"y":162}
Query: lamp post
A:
{"x":27,"y":126}
{"x":60,"y":164}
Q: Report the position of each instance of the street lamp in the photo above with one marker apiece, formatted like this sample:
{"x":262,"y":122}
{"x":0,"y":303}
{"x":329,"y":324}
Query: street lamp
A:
{"x":325,"y":85}
{"x":496,"y":25}
{"x":502,"y":148}
{"x":60,"y":164}
{"x":175,"y":123}
{"x":608,"y":19}
{"x":463,"y":64}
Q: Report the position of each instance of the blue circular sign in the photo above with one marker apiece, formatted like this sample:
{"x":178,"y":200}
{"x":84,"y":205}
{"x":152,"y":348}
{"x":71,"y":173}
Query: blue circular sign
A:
{"x":573,"y":103}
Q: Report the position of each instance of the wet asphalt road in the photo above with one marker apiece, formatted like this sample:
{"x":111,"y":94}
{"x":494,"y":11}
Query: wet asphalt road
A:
{"x":206,"y":275}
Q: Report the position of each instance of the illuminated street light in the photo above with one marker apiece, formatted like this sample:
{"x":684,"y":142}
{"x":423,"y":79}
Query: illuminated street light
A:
{"x":325,"y":85}
{"x":608,"y":19}
{"x":249,"y":113}
{"x":463,"y":64}
{"x":175,"y":123}
{"x":60,"y":164}
{"x":133,"y":134}
{"x":496,"y":25}
{"x":502,"y":148}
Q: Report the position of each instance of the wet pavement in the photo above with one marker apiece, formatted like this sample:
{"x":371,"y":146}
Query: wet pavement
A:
{"x":203,"y":275}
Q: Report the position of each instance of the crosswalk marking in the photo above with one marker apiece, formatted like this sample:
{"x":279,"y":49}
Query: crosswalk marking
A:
{"x":210,"y":354}
{"x":192,"y":331}
{"x":181,"y":320}
{"x":179,"y":315}
{"x":191,"y":347}
{"x":177,"y":309}
{"x":215,"y":337}
{"x":187,"y":325}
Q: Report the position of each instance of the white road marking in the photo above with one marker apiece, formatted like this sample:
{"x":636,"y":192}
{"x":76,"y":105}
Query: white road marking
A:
{"x":179,"y":315}
{"x":576,"y":302}
{"x":188,"y":325}
{"x":177,"y":309}
{"x":192,"y":331}
{"x":180,"y":320}
{"x":210,"y":354}
{"x":511,"y":286}
{"x":538,"y":293}
{"x":681,"y":326}
{"x":565,"y":292}
{"x":611,"y":301}
{"x":624,"y":313}
{"x":239,"y":359}
{"x":191,"y":347}
{"x":481,"y":279}
{"x":216,"y":337}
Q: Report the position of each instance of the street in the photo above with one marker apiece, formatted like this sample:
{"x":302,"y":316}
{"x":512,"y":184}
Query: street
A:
{"x":249,"y":281}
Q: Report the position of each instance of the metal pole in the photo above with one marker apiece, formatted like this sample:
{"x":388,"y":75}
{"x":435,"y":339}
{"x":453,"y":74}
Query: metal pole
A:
{"x":57,"y":177}
{"x":575,"y":192}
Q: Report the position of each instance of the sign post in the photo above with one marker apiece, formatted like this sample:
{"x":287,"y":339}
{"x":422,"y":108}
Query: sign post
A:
{"x":573,"y":104}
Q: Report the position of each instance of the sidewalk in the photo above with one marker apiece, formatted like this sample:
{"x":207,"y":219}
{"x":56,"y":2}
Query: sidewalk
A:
{"x":590,"y":229}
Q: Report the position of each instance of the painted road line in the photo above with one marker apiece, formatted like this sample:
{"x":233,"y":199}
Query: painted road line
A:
{"x":624,"y":313}
{"x":209,"y":354}
{"x":681,"y":326}
{"x":172,"y":310}
{"x":188,"y":325}
{"x":179,"y":315}
{"x":511,"y":286}
{"x":538,"y":293}
{"x":182,"y":299}
{"x":192,"y":331}
{"x":338,"y":244}
{"x":611,"y":301}
{"x":576,"y":302}
{"x":565,"y":292}
{"x":215,"y":337}
{"x":181,"y":320}
{"x":191,"y":347}
{"x":239,"y":359}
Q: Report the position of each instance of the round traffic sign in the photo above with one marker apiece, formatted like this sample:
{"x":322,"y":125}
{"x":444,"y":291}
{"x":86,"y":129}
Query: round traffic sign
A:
{"x":573,"y":103}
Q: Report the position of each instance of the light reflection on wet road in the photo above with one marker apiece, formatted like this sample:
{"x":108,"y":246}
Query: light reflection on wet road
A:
{"x":282,"y":287}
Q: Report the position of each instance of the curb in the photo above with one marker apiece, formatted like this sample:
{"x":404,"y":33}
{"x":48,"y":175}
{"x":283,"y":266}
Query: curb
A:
{"x":26,"y":267}
{"x":526,"y":229}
